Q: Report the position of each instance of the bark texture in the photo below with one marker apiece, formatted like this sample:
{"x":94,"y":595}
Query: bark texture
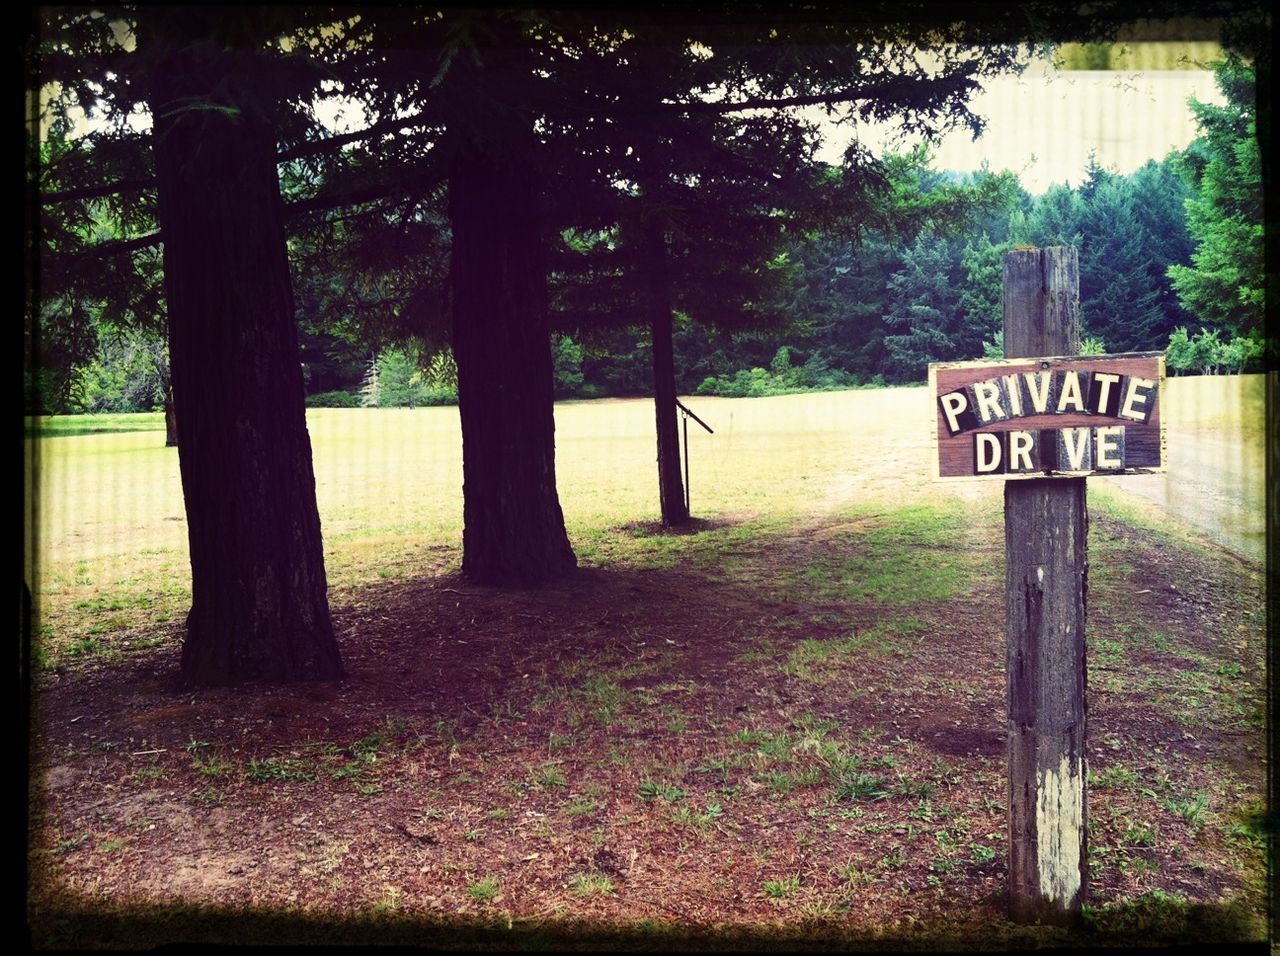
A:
{"x":656,"y":291}
{"x":513,"y":527}
{"x":170,"y":416}
{"x":1046,"y":526}
{"x":259,"y":603}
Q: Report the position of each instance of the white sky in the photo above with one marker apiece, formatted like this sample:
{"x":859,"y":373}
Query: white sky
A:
{"x":1042,"y":124}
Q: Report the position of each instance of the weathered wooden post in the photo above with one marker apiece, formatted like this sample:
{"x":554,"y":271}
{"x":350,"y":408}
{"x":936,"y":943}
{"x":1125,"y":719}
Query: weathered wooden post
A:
{"x":1043,"y":418}
{"x":1045,"y":521}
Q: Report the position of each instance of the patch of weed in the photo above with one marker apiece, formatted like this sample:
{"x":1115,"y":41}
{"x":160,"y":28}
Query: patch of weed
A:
{"x":781,"y":889}
{"x":279,"y":769}
{"x":591,"y":884}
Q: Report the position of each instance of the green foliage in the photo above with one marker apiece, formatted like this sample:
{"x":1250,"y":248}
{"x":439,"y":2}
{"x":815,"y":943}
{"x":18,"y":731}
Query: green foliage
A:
{"x":1207,"y":354}
{"x":591,"y":884}
{"x":945,"y":301}
{"x":279,"y":769}
{"x":129,"y":373}
{"x":484,"y":890}
{"x":855,"y":784}
{"x":658,"y":789}
{"x":781,"y":889}
{"x":397,"y":378}
{"x":1223,"y":287}
{"x":781,"y":378}
{"x":333,"y":400}
{"x":1128,"y":230}
{"x":567,"y":358}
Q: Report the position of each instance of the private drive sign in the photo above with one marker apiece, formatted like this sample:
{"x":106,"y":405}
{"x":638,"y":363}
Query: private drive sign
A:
{"x":1043,"y":417}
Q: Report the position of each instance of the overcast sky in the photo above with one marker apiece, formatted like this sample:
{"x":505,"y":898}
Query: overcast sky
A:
{"x":1042,"y":124}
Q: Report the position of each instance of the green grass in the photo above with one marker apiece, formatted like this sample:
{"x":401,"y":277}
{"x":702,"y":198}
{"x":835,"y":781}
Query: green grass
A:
{"x":389,"y":489}
{"x":659,"y":790}
{"x":113,"y":536}
{"x":855,"y":784}
{"x":781,"y":889}
{"x":484,"y":890}
{"x":53,"y":426}
{"x":813,"y":659}
{"x":591,"y":884}
{"x":279,"y":770}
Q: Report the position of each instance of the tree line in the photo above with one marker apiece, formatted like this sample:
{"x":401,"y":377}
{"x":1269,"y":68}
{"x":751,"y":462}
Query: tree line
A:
{"x":574,"y":172}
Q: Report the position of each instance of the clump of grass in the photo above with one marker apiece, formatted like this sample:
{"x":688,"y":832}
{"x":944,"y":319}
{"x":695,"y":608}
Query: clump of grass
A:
{"x":852,"y":783}
{"x":1191,"y":809}
{"x":591,"y":884}
{"x":660,"y":790}
{"x":703,"y":819}
{"x":1114,"y":777}
{"x":279,"y":769}
{"x":484,"y":890}
{"x":781,"y":889}
{"x":981,"y":854}
{"x":549,"y":776}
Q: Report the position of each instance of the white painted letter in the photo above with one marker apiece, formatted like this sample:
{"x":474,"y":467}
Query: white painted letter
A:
{"x":1108,"y":452}
{"x":1105,"y":380}
{"x":1070,"y":392}
{"x":986,"y":447}
{"x":953,"y":403}
{"x":1020,"y":444}
{"x":1038,"y":387}
{"x":987,"y":396}
{"x":1138,"y":393}
{"x":1076,"y":442}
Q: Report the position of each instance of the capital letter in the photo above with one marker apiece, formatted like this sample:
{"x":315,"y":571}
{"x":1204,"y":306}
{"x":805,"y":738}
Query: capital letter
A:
{"x":1137,"y":400}
{"x":1039,"y":384}
{"x":1108,"y":447}
{"x":1021,"y":448}
{"x":1074,"y":442}
{"x":1070,"y":392}
{"x":1101,"y":398}
{"x":986,"y":452}
{"x":987,"y":399}
{"x":953,"y":403}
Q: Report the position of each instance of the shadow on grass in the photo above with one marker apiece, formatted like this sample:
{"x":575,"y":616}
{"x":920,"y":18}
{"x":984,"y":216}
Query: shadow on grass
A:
{"x":649,"y":529}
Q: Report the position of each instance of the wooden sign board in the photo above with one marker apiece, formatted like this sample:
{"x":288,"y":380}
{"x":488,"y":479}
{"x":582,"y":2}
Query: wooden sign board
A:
{"x":1068,"y":416}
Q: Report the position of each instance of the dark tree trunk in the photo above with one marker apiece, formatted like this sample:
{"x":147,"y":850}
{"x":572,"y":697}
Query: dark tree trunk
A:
{"x":656,"y":289}
{"x":170,"y":415}
{"x":513,"y":528}
{"x":259,"y":605}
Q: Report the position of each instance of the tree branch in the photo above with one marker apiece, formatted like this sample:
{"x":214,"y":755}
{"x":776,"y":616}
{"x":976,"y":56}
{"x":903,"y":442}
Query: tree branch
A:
{"x":329,"y":143}
{"x":92,"y":192}
{"x":898,"y":87}
{"x":311,"y":148}
{"x":292,"y":210}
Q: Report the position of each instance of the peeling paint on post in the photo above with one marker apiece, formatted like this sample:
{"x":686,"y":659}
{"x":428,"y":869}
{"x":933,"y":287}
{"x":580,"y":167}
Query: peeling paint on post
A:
{"x":1045,"y":580}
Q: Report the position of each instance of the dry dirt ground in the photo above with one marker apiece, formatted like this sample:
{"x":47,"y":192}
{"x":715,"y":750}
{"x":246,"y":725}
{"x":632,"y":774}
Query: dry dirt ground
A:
{"x":741,"y":748}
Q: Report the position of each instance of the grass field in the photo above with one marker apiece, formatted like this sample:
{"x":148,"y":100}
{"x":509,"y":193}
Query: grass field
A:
{"x":112,"y":531}
{"x":788,"y":720}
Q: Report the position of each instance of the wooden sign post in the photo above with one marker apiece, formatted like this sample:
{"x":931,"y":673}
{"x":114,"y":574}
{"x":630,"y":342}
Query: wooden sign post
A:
{"x":1047,"y":417}
{"x":1046,"y":571}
